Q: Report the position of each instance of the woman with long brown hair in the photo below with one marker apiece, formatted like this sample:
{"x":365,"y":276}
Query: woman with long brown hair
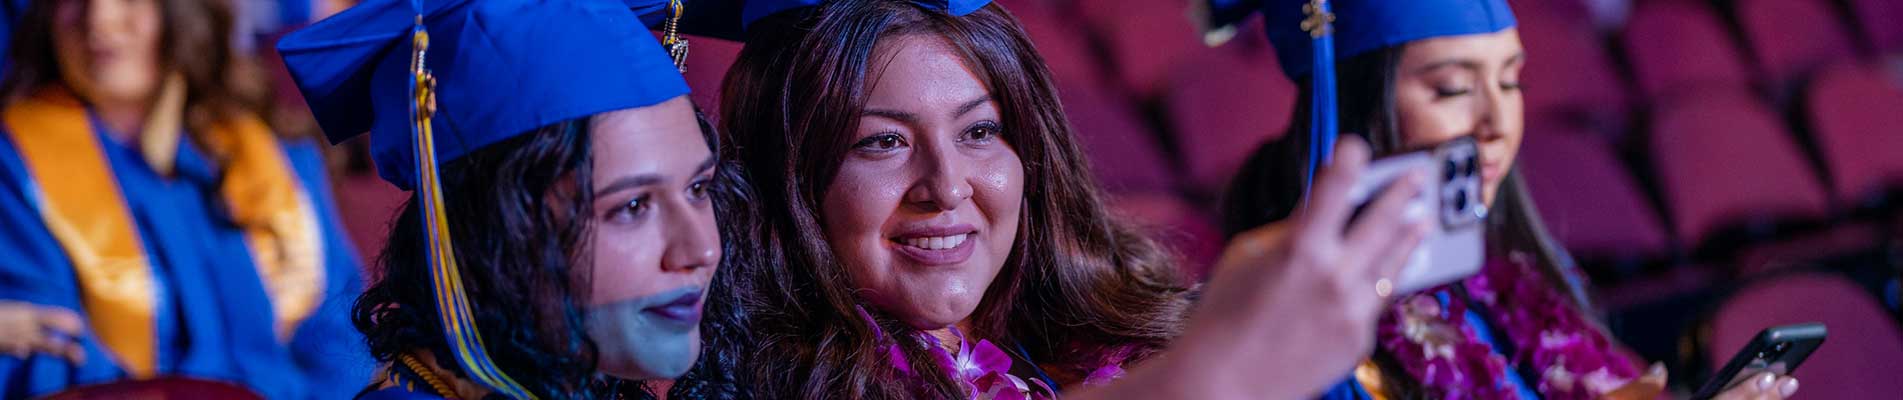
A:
{"x":1415,"y":74}
{"x":930,"y":230}
{"x":156,"y":225}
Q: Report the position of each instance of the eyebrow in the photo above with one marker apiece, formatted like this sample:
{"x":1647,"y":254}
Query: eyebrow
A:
{"x":1464,"y":63}
{"x":911,"y":118}
{"x":644,"y":180}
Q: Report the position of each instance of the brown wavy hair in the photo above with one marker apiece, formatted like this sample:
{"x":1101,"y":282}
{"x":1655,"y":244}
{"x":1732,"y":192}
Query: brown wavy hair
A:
{"x":1078,"y":283}
{"x":221,"y":83}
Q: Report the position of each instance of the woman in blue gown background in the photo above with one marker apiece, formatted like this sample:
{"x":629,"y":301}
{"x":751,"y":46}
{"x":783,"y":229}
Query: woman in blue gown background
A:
{"x":146,"y":200}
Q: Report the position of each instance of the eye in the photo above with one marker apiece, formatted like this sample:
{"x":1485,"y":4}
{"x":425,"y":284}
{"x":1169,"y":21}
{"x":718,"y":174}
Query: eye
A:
{"x":1510,"y":86}
{"x":700,"y":188}
{"x":1442,"y":92}
{"x":880,"y":142}
{"x":982,"y":132}
{"x":633,"y":209}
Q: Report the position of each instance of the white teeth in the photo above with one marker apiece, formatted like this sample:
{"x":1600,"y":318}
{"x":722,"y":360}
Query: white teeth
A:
{"x":937,"y":243}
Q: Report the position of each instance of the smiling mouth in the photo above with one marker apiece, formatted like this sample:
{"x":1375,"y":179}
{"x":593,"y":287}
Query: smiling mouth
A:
{"x":935,"y":242}
{"x":935,"y":246}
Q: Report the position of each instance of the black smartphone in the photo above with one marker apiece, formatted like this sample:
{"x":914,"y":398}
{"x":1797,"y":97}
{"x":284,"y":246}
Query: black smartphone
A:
{"x":1776,"y":350}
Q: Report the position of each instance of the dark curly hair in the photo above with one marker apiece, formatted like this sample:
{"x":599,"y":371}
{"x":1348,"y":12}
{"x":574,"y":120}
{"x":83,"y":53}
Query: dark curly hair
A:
{"x":522,"y":263}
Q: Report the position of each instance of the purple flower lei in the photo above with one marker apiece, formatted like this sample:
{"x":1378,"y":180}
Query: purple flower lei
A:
{"x":984,"y":370}
{"x":1442,"y":352}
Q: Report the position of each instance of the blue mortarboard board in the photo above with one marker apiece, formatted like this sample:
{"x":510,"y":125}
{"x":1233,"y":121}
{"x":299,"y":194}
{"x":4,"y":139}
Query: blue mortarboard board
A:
{"x":1309,"y":34}
{"x":502,"y":68}
{"x":729,"y":18}
{"x":433,"y":80}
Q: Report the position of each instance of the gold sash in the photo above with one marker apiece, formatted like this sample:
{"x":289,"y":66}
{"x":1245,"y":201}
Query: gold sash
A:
{"x":81,"y":203}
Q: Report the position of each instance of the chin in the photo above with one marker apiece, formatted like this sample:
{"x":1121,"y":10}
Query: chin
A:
{"x":654,"y":363}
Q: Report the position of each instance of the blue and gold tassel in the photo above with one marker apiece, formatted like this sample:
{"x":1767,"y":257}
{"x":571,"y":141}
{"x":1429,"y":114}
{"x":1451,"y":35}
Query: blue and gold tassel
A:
{"x":452,"y":304}
{"x":1321,"y":114}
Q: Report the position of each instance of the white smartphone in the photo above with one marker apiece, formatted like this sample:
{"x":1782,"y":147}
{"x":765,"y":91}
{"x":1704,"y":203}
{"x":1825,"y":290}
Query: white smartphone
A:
{"x":1456,"y":248}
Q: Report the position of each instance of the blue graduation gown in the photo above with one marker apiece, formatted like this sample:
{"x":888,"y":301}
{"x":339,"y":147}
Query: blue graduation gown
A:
{"x":214,"y":318}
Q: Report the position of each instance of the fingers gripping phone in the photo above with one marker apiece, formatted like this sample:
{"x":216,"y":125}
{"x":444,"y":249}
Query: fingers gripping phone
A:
{"x":1776,"y":350}
{"x":1456,"y":247}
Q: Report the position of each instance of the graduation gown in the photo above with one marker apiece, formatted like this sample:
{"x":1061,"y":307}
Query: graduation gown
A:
{"x":205,"y":307}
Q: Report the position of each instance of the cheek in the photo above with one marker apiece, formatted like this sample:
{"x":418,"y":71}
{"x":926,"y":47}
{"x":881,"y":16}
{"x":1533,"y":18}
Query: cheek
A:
{"x":999,"y":188}
{"x":855,"y":208}
{"x":626,"y":265}
{"x":1425,"y":123}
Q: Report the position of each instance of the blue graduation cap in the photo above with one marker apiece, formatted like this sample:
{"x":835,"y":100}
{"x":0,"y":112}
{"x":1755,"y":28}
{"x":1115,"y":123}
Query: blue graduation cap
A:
{"x":432,"y":80}
{"x":1309,"y":34}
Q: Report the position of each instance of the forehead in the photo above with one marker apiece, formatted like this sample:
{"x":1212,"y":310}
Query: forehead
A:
{"x":919,"y":69}
{"x":653,"y":139}
{"x":1496,"y":47}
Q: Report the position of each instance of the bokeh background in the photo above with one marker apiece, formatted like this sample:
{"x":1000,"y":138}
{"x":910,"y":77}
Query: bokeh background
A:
{"x":1716,"y":166}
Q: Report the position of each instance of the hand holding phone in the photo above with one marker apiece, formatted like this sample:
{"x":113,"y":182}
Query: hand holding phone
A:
{"x":1456,"y":247}
{"x":1777,"y":350}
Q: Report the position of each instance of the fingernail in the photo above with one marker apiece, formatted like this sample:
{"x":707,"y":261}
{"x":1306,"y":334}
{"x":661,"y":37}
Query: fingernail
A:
{"x":1765,"y":381}
{"x":1657,"y":369}
{"x":1789,"y":388}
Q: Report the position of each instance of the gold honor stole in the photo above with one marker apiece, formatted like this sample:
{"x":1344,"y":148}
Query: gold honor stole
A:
{"x":80,"y":202}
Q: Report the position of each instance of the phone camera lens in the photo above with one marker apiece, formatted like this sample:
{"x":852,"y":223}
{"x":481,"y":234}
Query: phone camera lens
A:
{"x":1782,"y":346}
{"x":1460,"y":199}
{"x":1473,"y":166}
{"x":1449,"y":170}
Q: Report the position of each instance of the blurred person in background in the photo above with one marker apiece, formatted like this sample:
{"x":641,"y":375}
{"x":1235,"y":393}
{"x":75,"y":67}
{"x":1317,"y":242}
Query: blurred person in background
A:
{"x":156,"y":225}
{"x":559,"y":240}
{"x":1414,"y":74}
{"x":930,"y":230}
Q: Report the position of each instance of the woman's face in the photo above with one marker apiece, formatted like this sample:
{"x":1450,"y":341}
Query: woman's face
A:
{"x":655,"y":245}
{"x":108,"y":50}
{"x":924,"y":208}
{"x":1464,"y":86}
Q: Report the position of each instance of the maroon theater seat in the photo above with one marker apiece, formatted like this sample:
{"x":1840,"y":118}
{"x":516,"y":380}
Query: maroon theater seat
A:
{"x":1570,"y":76}
{"x":1861,"y":356}
{"x":368,"y":206}
{"x":1588,"y":201}
{"x":1856,"y":115}
{"x":1222,"y":104}
{"x":1791,"y":38}
{"x":1881,"y":22}
{"x":1122,"y":152}
{"x":1064,"y":43}
{"x":1186,"y":230}
{"x":1723,"y":159}
{"x":707,"y":63}
{"x":1145,"y":38}
{"x":1675,"y":46}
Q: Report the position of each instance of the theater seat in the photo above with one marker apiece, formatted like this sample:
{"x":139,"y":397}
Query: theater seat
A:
{"x":1570,"y":74}
{"x":1222,"y":104}
{"x":1588,"y":200}
{"x":1123,"y":153}
{"x":1878,"y":19}
{"x":1856,"y":116}
{"x":1676,"y":46}
{"x":1724,"y":159}
{"x":1860,"y":358}
{"x":368,"y":206}
{"x":707,"y":63}
{"x":1791,"y":38}
{"x":1185,"y":229}
{"x":1064,"y":44}
{"x":1145,"y":38}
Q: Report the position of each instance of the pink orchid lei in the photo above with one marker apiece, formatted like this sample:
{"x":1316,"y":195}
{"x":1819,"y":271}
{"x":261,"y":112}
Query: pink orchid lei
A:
{"x":984,"y":370}
{"x":1450,"y":361}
